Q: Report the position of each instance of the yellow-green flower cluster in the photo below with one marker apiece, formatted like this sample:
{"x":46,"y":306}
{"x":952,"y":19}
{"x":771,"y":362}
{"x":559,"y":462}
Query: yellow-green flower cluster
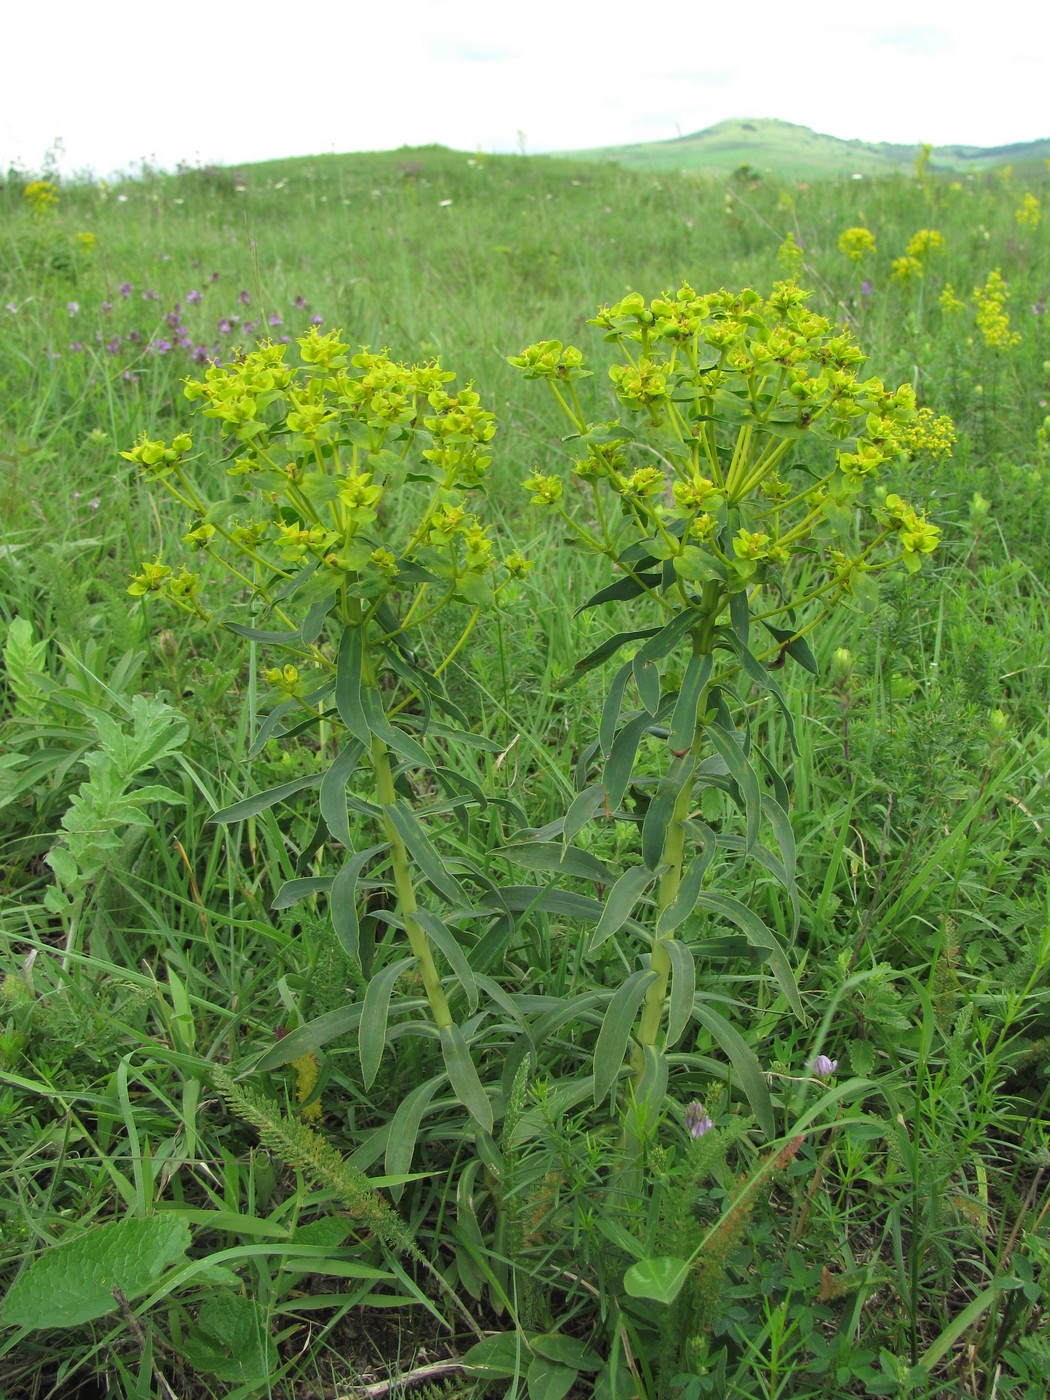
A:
{"x":1029,"y":213}
{"x":329,"y":448}
{"x":790,"y":255}
{"x":41,"y":196}
{"x":716,"y":391}
{"x":915,"y":534}
{"x":925,"y":242}
{"x":993,"y":319}
{"x":856,"y":243}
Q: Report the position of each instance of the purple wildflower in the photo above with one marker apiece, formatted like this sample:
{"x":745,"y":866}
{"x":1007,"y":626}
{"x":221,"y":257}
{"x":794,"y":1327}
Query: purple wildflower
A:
{"x":1039,"y":306}
{"x":866,"y":287}
{"x":275,"y":320}
{"x":214,"y":277}
{"x":160,"y":346}
{"x":317,"y":320}
{"x":135,"y":337}
{"x":125,"y":289}
{"x":113,"y":346}
{"x":244,"y":298}
{"x":822,"y":1067}
{"x":696,"y":1120}
{"x":174,"y":320}
{"x":150,"y":295}
{"x":72,"y":307}
{"x":12,"y":307}
{"x":130,"y":378}
{"x":75,"y":347}
{"x":193,"y":297}
{"x":249,"y":326}
{"x":106,"y":308}
{"x":301,"y":304}
{"x":225,"y":325}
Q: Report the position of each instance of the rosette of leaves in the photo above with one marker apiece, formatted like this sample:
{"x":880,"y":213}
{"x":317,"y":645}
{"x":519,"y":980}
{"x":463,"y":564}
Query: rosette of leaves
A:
{"x":737,"y":497}
{"x":347,"y":518}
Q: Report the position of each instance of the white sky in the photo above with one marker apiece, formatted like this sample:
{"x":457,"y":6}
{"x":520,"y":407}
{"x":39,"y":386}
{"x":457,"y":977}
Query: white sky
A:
{"x":224,"y":82}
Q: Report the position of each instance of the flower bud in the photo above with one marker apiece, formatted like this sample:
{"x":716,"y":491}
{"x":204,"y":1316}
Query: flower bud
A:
{"x":841,"y":665}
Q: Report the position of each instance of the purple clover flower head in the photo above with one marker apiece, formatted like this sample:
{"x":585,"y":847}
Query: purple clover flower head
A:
{"x":125,"y":289}
{"x":135,"y":337}
{"x":244,"y":298}
{"x":1039,"y":306}
{"x":75,"y":347}
{"x":822,"y":1067}
{"x":130,"y":378}
{"x":106,"y":308}
{"x":113,"y":346}
{"x":173,"y":319}
{"x":301,"y":304}
{"x":160,"y":346}
{"x":696,"y":1120}
{"x":150,"y":295}
{"x":193,"y":297}
{"x":200,"y":355}
{"x":12,"y":307}
{"x":867,"y":287}
{"x":275,"y":320}
{"x":225,"y":326}
{"x":72,"y":307}
{"x":317,"y":320}
{"x":249,"y":326}
{"x":214,"y":277}
{"x":94,"y":504}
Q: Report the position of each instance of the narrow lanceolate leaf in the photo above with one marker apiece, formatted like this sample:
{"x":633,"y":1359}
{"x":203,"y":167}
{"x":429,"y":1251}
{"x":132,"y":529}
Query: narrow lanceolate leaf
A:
{"x":396,"y":739}
{"x":581,"y":810}
{"x":559,"y":860}
{"x":609,"y":648}
{"x":765,"y":681}
{"x":743,"y":775}
{"x":257,"y":634}
{"x":623,"y":588}
{"x":796,"y":647}
{"x":443,"y":937}
{"x":371,"y":1035}
{"x":683,"y":990}
{"x":761,"y":937}
{"x":647,"y":679}
{"x":409,"y":828}
{"x":348,"y":699}
{"x":620,"y":763}
{"x":292,"y":891}
{"x":617,"y":1023}
{"x":683,"y":718}
{"x":781,"y":824}
{"x":740,"y":616}
{"x":745,"y":1065}
{"x":660,"y":813}
{"x":342,"y":902}
{"x":611,"y":709}
{"x":404,"y":1127}
{"x":263,"y":801}
{"x":463,"y":1077}
{"x":332,"y":797}
{"x":619,"y":906}
{"x":691,"y":885}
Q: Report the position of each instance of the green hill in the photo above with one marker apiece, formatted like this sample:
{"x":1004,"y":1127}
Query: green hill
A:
{"x":796,"y":152}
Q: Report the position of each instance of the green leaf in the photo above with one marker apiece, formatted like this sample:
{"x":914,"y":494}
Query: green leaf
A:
{"x":348,"y":668}
{"x":623,"y":588}
{"x":743,"y":775}
{"x":683,"y":989}
{"x":332,"y":797}
{"x":744,"y":1062}
{"x":292,"y":891}
{"x":312,"y":1036}
{"x":559,"y":859}
{"x":263,"y":801}
{"x":546,"y":1380}
{"x":620,"y":763}
{"x":371,"y":1035}
{"x":611,"y":708}
{"x":609,"y":648}
{"x":623,"y":896}
{"x":796,"y":647}
{"x":409,"y":828}
{"x":659,"y":1279}
{"x":231,"y":1340}
{"x":445,"y":940}
{"x":762,"y":937}
{"x":567,"y":1351}
{"x":404,"y":1127}
{"x":72,"y":1283}
{"x":581,"y":810}
{"x":255,"y":634}
{"x":501,"y":1355}
{"x":765,"y":681}
{"x":683,"y":718}
{"x":463,"y":1077}
{"x":689,"y":889}
{"x":616,"y":1028}
{"x":660,"y":812}
{"x":342,"y":902}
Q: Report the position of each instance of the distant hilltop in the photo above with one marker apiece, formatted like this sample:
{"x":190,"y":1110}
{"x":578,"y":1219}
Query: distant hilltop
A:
{"x":798,"y":153}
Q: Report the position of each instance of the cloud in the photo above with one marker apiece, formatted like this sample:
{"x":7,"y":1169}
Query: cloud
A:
{"x":918,"y":42}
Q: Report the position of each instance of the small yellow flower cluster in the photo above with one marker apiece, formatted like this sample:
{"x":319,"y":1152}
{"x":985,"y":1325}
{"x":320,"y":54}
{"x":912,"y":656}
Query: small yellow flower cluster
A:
{"x":857,"y":243}
{"x":993,"y":320}
{"x":905,"y":269}
{"x":790,"y":256}
{"x":41,"y":196}
{"x":949,"y":301}
{"x":925,"y":242}
{"x":914,"y":532}
{"x":1029,"y":213}
{"x":930,"y":433}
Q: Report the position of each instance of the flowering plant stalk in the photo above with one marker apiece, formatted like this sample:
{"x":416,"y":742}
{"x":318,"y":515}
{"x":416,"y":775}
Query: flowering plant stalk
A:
{"x":732,"y":544}
{"x":347,"y":529}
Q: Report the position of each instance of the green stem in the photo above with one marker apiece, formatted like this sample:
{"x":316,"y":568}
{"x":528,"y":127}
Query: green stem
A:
{"x":406,"y":890}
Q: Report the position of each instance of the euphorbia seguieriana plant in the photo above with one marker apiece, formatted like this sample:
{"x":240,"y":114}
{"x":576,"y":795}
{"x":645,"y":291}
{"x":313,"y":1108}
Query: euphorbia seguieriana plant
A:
{"x":738,"y":499}
{"x":340,"y":515}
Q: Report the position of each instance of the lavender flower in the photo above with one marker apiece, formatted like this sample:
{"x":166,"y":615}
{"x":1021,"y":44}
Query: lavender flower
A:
{"x":72,"y":307}
{"x":866,"y":287}
{"x":225,"y":326}
{"x":822,"y":1067}
{"x":125,"y":289}
{"x":317,"y":320}
{"x":696,"y":1120}
{"x":214,"y":277}
{"x":75,"y":347}
{"x":193,"y":297}
{"x":113,"y":346}
{"x":301,"y":304}
{"x":106,"y":308}
{"x":244,"y":298}
{"x":275,"y":320}
{"x":150,"y":295}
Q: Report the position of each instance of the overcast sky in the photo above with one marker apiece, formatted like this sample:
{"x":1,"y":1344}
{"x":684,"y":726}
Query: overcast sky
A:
{"x":119,"y":82}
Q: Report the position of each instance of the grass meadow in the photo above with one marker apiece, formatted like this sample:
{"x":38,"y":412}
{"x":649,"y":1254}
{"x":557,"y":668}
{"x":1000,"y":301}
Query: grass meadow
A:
{"x":240,"y":1155}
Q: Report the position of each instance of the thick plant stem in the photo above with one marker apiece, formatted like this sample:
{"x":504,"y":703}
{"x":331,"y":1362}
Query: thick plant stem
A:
{"x":406,"y":890}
